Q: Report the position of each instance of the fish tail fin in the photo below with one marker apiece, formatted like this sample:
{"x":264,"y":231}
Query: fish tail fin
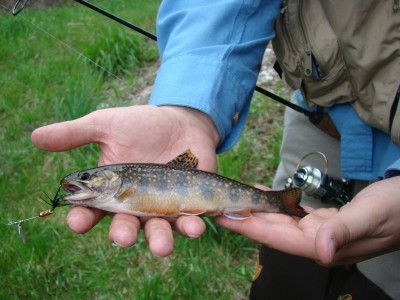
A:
{"x":291,"y":198}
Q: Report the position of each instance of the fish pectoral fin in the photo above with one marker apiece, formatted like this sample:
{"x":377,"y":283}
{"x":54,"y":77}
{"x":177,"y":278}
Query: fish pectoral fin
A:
{"x":186,"y":159}
{"x":124,"y":194}
{"x":192,"y":212}
{"x":237,"y":214}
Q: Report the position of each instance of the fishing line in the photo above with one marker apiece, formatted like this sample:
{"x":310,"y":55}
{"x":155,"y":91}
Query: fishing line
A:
{"x":69,"y":47}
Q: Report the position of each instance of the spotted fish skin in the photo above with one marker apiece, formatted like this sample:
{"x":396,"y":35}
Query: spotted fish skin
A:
{"x":170,"y":190}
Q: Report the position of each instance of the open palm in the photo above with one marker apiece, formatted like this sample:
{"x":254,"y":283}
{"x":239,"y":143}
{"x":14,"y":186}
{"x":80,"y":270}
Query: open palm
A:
{"x":364,"y":228}
{"x":136,"y":134}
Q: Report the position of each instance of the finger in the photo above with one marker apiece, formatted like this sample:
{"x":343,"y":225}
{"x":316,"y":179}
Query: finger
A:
{"x":190,"y":226}
{"x":81,"y":219}
{"x":66,"y":135}
{"x":273,"y":230}
{"x":124,"y":230}
{"x":158,"y":233}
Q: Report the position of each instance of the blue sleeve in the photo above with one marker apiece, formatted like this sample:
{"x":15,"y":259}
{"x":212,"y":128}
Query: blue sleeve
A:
{"x":393,"y":170}
{"x":211,"y":53}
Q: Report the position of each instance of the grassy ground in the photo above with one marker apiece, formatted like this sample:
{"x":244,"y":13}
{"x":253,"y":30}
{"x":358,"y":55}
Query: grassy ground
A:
{"x":44,"y":79}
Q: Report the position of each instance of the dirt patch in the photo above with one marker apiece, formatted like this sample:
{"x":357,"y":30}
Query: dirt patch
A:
{"x":140,"y":94}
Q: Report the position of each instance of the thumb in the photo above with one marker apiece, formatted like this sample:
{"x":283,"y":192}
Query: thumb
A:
{"x":330,"y":237}
{"x":66,"y":135}
{"x":336,"y":238}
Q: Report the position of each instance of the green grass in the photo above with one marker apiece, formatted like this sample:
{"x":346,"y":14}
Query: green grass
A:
{"x":43,"y":80}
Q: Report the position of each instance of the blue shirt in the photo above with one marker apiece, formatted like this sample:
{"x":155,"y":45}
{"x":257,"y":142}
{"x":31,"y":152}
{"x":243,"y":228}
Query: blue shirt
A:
{"x":211,"y":53}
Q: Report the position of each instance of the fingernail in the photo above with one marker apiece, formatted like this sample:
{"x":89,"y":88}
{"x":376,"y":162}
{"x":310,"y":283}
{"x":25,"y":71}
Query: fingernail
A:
{"x":114,"y":244}
{"x":192,"y":237}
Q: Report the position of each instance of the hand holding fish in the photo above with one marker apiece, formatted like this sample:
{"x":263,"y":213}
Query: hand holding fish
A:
{"x":136,"y":134}
{"x":366,"y":227}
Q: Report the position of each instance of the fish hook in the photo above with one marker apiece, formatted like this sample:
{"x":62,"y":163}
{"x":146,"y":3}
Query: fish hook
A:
{"x":18,"y":7}
{"x":19,"y":226}
{"x":54,"y":202}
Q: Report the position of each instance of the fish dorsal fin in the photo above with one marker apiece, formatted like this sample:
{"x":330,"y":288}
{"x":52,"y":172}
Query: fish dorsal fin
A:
{"x":237,"y":214}
{"x":186,"y":159}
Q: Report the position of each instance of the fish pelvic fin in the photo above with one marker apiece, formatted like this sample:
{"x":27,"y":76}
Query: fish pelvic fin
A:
{"x":193,"y":212}
{"x":237,"y":214}
{"x":291,"y":198}
{"x":186,"y":159}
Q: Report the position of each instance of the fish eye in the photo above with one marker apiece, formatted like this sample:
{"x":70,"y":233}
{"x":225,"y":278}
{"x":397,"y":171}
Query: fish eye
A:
{"x":85,"y":176}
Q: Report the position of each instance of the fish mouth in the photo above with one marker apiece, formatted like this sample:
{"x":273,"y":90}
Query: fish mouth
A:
{"x":77,"y":192}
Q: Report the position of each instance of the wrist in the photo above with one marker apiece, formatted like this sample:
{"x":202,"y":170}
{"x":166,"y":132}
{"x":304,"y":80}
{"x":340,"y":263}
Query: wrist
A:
{"x":195,"y":120}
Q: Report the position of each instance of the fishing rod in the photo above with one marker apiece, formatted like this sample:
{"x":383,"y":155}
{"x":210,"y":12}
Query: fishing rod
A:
{"x":117,"y":19}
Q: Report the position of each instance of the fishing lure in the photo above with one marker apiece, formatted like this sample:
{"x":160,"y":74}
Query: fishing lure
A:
{"x":54,"y":202}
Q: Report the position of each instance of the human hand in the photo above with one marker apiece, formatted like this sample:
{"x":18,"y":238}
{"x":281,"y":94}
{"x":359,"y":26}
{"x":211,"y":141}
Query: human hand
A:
{"x":136,"y":134}
{"x":366,"y":227}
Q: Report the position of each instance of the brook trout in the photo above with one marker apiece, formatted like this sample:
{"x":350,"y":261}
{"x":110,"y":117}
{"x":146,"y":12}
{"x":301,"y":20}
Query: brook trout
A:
{"x":173,"y":189}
